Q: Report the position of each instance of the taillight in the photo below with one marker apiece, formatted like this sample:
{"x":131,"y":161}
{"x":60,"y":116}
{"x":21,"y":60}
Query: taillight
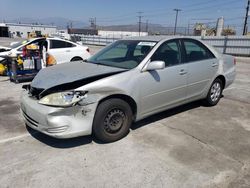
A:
{"x":50,"y":60}
{"x":234,"y":61}
{"x":88,"y":50}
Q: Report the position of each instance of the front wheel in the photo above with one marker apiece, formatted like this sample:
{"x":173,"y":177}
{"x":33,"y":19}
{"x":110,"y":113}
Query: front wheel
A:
{"x":214,"y":93}
{"x":112,"y":120}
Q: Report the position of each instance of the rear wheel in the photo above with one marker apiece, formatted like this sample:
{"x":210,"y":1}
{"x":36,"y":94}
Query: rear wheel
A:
{"x":76,"y":59}
{"x":112,"y":120}
{"x":214,"y":93}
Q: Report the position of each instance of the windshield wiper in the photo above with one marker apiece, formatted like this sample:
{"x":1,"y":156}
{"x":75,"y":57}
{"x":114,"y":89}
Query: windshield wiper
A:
{"x":87,"y":61}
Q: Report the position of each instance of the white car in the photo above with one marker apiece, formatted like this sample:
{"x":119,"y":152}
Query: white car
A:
{"x":53,"y":50}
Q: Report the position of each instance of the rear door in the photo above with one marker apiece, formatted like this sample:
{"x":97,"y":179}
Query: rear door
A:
{"x":161,"y":89}
{"x":202,"y":67}
{"x":62,"y":51}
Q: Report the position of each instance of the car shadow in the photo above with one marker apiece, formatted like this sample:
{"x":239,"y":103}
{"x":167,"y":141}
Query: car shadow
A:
{"x":166,"y":114}
{"x":59,"y":143}
{"x":83,"y":140}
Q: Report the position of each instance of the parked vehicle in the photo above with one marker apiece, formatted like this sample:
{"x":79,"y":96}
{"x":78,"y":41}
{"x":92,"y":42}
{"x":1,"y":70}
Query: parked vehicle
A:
{"x":4,"y":49}
{"x":123,"y":83}
{"x":53,"y":50}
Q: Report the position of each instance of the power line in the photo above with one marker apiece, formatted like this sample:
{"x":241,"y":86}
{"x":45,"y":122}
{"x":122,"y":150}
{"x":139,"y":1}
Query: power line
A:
{"x":162,"y":12}
{"x":208,"y":7}
{"x":207,"y":2}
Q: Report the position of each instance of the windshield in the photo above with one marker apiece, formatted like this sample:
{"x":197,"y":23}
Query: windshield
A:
{"x":17,"y":44}
{"x":125,"y":54}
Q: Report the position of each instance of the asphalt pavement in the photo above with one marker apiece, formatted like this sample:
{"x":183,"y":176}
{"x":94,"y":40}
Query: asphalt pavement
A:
{"x":189,"y":146}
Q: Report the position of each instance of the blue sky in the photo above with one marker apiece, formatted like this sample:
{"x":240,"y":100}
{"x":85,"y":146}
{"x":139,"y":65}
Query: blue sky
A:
{"x":114,"y":12}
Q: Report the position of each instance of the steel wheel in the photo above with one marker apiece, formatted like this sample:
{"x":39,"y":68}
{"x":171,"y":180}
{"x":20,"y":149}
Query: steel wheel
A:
{"x":114,"y":120}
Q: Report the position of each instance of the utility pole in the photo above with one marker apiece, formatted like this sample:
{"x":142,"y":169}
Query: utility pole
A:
{"x":175,"y":25}
{"x":95,"y":22}
{"x":92,"y":23}
{"x":70,"y":24}
{"x":246,"y":18}
{"x":140,"y":17}
{"x":147,"y":26}
{"x":188,"y":27}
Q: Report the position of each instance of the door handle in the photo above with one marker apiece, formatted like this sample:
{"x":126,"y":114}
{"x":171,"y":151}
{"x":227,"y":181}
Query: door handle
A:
{"x":182,"y":72}
{"x":215,"y":64}
{"x":67,"y":50}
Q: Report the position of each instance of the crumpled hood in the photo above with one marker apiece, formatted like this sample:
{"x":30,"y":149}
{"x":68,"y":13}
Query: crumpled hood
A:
{"x":70,"y":72}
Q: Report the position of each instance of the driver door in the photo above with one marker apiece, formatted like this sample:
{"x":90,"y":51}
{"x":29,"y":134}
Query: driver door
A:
{"x":161,"y":89}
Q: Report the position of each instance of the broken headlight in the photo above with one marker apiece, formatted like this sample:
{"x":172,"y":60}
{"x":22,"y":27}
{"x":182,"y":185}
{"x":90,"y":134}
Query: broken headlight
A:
{"x":63,"y":99}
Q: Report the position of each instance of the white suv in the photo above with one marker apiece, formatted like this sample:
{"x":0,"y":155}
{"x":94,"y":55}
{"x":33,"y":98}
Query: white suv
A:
{"x":53,"y":50}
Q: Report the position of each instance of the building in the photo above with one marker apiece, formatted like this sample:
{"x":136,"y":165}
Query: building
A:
{"x":121,"y":34}
{"x":17,"y":30}
{"x":82,"y":31}
{"x":105,"y":33}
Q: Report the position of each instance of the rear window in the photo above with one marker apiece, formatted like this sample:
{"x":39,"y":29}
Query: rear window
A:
{"x":60,"y":44}
{"x":196,"y":51}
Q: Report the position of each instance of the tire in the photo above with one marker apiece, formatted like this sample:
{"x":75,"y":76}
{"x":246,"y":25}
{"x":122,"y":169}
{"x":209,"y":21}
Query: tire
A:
{"x":76,"y":59}
{"x":214,"y":94}
{"x":112,"y":120}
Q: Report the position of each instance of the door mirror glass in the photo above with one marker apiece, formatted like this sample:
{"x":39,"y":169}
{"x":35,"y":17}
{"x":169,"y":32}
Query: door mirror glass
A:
{"x":155,"y":65}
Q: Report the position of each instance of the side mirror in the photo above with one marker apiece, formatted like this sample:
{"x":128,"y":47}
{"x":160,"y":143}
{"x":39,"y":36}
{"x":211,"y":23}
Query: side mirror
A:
{"x":155,"y":65}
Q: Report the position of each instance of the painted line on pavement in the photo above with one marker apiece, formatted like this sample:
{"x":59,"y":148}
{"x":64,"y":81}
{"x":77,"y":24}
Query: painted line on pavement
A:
{"x":14,"y":138}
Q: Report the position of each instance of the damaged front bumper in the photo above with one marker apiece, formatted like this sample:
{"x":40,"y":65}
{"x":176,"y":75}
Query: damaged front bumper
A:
{"x":58,"y":122}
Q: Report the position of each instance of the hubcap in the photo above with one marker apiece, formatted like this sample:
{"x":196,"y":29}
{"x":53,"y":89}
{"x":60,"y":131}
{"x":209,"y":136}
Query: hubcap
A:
{"x":114,"y":120}
{"x":215,"y":92}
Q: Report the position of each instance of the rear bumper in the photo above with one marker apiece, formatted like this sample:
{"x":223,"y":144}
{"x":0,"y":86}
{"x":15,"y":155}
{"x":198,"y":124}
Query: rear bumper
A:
{"x":58,"y":122}
{"x":230,"y":76}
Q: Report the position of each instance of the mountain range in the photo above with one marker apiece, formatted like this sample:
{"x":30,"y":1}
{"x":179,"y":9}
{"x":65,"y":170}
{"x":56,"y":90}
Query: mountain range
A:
{"x":63,"y":23}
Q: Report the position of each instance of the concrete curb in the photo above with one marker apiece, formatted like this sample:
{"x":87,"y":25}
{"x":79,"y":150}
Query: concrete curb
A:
{"x":243,"y":59}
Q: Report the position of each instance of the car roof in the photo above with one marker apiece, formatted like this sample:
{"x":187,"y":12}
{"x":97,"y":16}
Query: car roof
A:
{"x":158,"y":38}
{"x":49,"y":38}
{"x":155,"y":38}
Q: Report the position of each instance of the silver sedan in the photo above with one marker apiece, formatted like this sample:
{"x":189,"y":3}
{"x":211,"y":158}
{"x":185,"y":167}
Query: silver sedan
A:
{"x":125,"y":82}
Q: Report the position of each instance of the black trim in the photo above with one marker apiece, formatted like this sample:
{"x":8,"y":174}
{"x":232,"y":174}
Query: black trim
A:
{"x":30,"y":120}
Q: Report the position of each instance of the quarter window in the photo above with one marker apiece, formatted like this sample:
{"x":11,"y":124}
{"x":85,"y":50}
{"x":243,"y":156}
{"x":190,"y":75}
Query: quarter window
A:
{"x":195,"y":51}
{"x":169,"y":52}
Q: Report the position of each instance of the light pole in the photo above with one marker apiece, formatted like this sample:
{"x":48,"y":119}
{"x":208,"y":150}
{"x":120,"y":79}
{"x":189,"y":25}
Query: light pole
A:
{"x":175,"y":25}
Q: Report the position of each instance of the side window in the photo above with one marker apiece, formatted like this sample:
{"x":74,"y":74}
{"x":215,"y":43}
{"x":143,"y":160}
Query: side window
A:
{"x":60,"y":44}
{"x":169,"y":52}
{"x":69,"y":45}
{"x":196,"y":51}
{"x":141,"y":50}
